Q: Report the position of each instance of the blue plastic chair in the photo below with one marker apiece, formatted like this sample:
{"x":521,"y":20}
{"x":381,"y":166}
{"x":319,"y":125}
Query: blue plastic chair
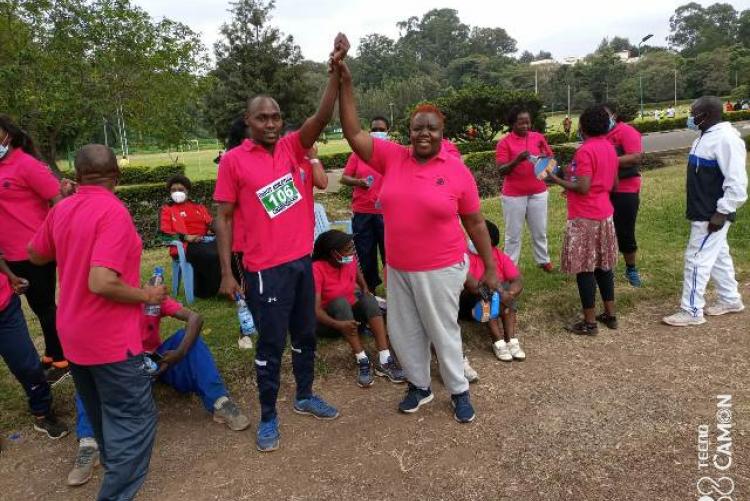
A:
{"x":322,"y":224}
{"x":182,"y":269}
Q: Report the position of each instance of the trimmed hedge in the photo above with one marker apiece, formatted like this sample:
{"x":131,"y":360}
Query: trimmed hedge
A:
{"x":334,"y":161}
{"x":681,"y":123}
{"x":476,"y":146}
{"x":139,"y":174}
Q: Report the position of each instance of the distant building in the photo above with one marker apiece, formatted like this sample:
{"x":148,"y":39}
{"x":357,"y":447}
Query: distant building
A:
{"x":543,"y":62}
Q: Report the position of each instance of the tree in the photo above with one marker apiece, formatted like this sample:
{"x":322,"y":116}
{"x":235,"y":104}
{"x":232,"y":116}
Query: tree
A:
{"x":708,"y":73}
{"x":253,"y":58}
{"x":583,"y":99}
{"x":438,"y":38}
{"x":484,"y":108}
{"x":491,"y":42}
{"x":695,"y":29}
{"x":526,"y":57}
{"x":616,"y":44}
{"x":542,"y":55}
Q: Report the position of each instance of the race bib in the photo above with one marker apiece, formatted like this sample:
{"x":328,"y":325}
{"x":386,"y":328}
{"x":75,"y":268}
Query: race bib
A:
{"x":279,"y":195}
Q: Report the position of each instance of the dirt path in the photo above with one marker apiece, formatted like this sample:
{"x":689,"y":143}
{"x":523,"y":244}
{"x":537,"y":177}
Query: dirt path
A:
{"x":607,"y":418}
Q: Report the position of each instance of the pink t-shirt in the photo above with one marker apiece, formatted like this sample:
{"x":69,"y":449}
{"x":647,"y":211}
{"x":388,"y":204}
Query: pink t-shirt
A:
{"x":150,"y":325}
{"x":421,"y":207}
{"x":626,"y":140}
{"x":506,"y":270}
{"x":522,"y":181}
{"x":26,"y":187}
{"x":93,"y":229}
{"x":6,"y":291}
{"x":450,"y":148}
{"x":332,"y":282}
{"x":306,"y":173}
{"x":243,"y":172}
{"x":238,"y":228}
{"x":597,"y":159}
{"x":364,"y":200}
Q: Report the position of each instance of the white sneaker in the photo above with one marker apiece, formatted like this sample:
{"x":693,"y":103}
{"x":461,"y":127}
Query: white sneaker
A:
{"x":501,"y":350}
{"x":469,"y":373}
{"x":683,"y":319}
{"x":515,"y":349}
{"x":722,"y":308}
{"x":245,"y":343}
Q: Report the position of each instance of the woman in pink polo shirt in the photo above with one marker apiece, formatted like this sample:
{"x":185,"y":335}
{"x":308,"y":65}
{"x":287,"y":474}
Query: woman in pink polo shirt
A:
{"x":524,"y":196}
{"x":626,"y":198}
{"x":427,"y":195}
{"x":27,"y":190}
{"x":590,"y":247}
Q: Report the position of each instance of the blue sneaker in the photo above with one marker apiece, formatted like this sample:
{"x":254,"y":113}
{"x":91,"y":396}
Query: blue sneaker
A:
{"x":315,"y":406}
{"x":414,"y":399}
{"x":391,"y":370}
{"x":268,"y":435}
{"x":364,"y":376}
{"x":633,"y":277}
{"x":463,"y":412}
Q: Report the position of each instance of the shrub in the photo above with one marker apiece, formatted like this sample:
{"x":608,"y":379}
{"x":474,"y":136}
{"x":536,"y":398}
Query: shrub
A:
{"x":558,"y":138}
{"x":475,"y":146}
{"x":334,"y":161}
{"x":139,"y":174}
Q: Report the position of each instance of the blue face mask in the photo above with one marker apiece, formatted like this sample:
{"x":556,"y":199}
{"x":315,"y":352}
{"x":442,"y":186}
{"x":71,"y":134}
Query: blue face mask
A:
{"x":379,"y":134}
{"x":612,"y":123}
{"x":4,"y":148}
{"x":691,"y":123}
{"x":346,"y":259}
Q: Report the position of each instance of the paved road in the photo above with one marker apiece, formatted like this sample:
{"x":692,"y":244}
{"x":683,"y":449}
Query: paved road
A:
{"x":652,"y":143}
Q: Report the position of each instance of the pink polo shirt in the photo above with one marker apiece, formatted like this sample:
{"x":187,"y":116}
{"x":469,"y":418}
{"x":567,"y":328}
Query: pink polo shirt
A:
{"x":6,"y":291}
{"x":332,"y":282}
{"x":150,"y":326}
{"x":506,"y":270}
{"x":421,"y":207}
{"x":247,"y":169}
{"x":522,"y":181}
{"x":238,"y":228}
{"x":626,"y":140}
{"x":364,"y":200}
{"x":597,"y":159}
{"x":93,"y":229}
{"x":26,"y":187}
{"x":450,"y":148}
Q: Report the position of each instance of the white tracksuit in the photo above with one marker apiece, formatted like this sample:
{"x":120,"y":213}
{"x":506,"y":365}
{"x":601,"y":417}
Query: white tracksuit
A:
{"x":716,"y":182}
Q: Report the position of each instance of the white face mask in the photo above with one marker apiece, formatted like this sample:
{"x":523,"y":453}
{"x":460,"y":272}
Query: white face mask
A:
{"x":379,"y":134}
{"x":178,"y":196}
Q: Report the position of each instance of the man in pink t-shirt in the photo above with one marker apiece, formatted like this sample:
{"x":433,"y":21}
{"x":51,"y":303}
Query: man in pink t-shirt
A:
{"x":626,"y":197}
{"x":92,"y":238}
{"x":263,"y":179}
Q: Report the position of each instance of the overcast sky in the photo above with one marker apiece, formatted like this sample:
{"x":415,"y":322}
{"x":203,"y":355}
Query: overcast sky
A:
{"x":565,"y":28}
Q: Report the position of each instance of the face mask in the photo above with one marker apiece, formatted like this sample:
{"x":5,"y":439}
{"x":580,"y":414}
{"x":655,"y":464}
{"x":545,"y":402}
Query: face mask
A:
{"x":379,"y":134}
{"x":612,"y":123}
{"x":346,"y":259}
{"x":178,"y":196}
{"x":3,"y":150}
{"x":472,"y":248}
{"x":691,"y":123}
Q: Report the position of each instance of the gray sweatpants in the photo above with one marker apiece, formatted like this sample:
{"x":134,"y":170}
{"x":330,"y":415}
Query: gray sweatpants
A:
{"x":423,"y":310}
{"x":531,"y":209}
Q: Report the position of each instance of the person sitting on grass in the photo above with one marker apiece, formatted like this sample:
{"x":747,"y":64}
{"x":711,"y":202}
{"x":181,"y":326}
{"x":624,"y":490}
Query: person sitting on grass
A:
{"x":505,"y":346}
{"x":342,"y":301}
{"x":184,"y":363}
{"x":19,"y":353}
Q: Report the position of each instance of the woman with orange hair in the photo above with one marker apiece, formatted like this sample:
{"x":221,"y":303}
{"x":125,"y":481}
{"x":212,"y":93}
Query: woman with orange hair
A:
{"x":426,"y":196}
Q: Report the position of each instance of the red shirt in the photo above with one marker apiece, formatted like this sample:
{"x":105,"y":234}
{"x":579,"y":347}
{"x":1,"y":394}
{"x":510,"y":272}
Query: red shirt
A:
{"x":597,"y":159}
{"x":250,"y":168}
{"x":522,"y":181}
{"x":421,"y":207}
{"x":6,"y":291}
{"x":187,"y":218}
{"x":506,"y":270}
{"x":150,"y":325}
{"x":627,"y":140}
{"x":364,"y":200}
{"x":26,"y":187}
{"x":332,"y":282}
{"x":89,"y":229}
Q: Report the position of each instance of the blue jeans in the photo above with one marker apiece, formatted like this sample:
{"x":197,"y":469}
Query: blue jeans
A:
{"x":196,"y":373}
{"x":22,"y":359}
{"x":282,"y":299}
{"x":118,"y":401}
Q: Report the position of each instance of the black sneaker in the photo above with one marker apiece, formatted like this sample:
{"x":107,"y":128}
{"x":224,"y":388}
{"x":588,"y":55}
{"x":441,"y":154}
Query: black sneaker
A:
{"x":53,"y":427}
{"x":414,"y":399}
{"x":609,"y":320}
{"x":583,"y":328}
{"x":364,"y":374}
{"x":56,"y":375}
{"x":463,"y":412}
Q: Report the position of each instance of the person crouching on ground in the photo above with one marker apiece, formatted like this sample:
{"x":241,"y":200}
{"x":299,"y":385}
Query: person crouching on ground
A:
{"x":342,"y":301}
{"x":505,"y":345}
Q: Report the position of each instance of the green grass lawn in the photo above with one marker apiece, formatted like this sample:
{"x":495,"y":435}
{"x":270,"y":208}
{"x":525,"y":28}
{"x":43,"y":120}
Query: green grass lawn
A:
{"x":548,"y":300}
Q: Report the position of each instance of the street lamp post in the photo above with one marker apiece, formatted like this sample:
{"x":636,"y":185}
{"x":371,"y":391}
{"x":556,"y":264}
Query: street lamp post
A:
{"x":640,"y":74}
{"x":390,"y":105}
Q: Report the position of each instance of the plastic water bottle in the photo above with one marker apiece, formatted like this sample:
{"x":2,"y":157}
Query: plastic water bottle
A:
{"x":154,"y":310}
{"x":151,"y":366}
{"x":247,"y":326}
{"x":369,"y":180}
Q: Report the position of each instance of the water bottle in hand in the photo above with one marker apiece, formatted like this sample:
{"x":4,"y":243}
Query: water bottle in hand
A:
{"x":247,"y":326}
{"x":154,"y":310}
